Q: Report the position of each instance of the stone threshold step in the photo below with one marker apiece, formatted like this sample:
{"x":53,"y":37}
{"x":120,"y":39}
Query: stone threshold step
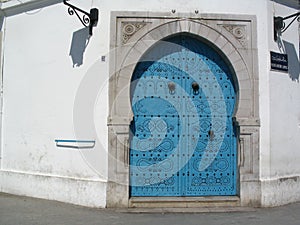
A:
{"x":187,"y":210}
{"x":185,"y":199}
{"x":184,"y":202}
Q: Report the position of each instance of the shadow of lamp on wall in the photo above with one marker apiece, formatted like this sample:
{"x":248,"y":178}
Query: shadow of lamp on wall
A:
{"x":79,"y":43}
{"x":293,"y":63}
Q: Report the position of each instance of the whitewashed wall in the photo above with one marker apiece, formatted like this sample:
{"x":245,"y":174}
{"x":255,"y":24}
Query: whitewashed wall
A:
{"x":46,"y":98}
{"x":282,"y":177}
{"x":41,"y":91}
{"x":285,"y":104}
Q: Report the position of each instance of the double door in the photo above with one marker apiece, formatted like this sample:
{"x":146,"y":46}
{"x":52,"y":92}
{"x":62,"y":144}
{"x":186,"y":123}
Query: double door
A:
{"x":183,"y":140}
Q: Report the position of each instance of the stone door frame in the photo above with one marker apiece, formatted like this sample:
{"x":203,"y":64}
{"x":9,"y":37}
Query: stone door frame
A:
{"x":234,"y":36}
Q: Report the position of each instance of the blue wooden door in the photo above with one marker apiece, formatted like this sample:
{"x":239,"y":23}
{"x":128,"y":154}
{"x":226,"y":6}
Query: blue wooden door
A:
{"x":183,"y":141}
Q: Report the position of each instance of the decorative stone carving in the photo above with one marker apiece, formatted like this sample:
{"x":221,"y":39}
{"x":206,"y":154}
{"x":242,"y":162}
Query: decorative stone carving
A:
{"x":239,"y":32}
{"x":130,"y":28}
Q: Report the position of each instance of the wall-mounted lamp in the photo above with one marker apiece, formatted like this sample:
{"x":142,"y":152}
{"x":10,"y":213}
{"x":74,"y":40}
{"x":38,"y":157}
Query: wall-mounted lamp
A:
{"x":88,"y":19}
{"x":279,"y":24}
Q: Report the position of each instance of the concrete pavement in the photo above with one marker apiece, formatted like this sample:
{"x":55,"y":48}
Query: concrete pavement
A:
{"x":16,"y":210}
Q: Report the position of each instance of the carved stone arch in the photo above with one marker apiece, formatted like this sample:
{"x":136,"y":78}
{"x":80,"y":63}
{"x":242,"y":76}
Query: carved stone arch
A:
{"x":238,"y":54}
{"x":233,"y":52}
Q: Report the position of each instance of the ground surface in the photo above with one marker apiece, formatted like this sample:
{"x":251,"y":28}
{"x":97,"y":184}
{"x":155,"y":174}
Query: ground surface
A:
{"x":15,"y":210}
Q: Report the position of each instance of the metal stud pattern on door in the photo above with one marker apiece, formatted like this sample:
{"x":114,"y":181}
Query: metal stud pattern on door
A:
{"x":183,"y":141}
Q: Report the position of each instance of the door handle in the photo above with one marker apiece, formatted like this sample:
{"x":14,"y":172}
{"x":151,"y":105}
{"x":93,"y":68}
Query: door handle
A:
{"x":211,"y":135}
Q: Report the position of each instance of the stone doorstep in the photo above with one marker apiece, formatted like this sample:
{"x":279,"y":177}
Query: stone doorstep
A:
{"x":186,"y":210}
{"x":184,"y":202}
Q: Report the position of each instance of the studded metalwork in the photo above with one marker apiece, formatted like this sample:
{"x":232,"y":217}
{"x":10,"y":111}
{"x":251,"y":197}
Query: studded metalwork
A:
{"x":183,"y":141}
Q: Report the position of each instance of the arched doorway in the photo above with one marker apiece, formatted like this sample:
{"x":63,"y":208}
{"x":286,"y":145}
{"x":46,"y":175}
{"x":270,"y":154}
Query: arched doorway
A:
{"x":183,"y":141}
{"x":231,"y":36}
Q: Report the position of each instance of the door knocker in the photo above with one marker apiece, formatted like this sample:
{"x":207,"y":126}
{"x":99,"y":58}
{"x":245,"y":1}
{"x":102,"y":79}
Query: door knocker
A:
{"x":172,"y":87}
{"x":195,"y":87}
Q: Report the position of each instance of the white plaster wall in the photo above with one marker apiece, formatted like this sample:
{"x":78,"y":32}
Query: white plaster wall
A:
{"x":42,"y":90}
{"x":283,"y":183}
{"x":40,"y":86}
{"x":42,"y":94}
{"x":285,"y":105}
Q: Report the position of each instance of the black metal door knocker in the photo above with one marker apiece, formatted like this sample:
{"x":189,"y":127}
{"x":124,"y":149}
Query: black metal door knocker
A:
{"x":172,"y":87}
{"x":195,"y":87}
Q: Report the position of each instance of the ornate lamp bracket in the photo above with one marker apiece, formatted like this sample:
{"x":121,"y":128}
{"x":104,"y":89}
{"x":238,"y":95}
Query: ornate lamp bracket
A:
{"x":279,"y":24}
{"x":87,"y":19}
